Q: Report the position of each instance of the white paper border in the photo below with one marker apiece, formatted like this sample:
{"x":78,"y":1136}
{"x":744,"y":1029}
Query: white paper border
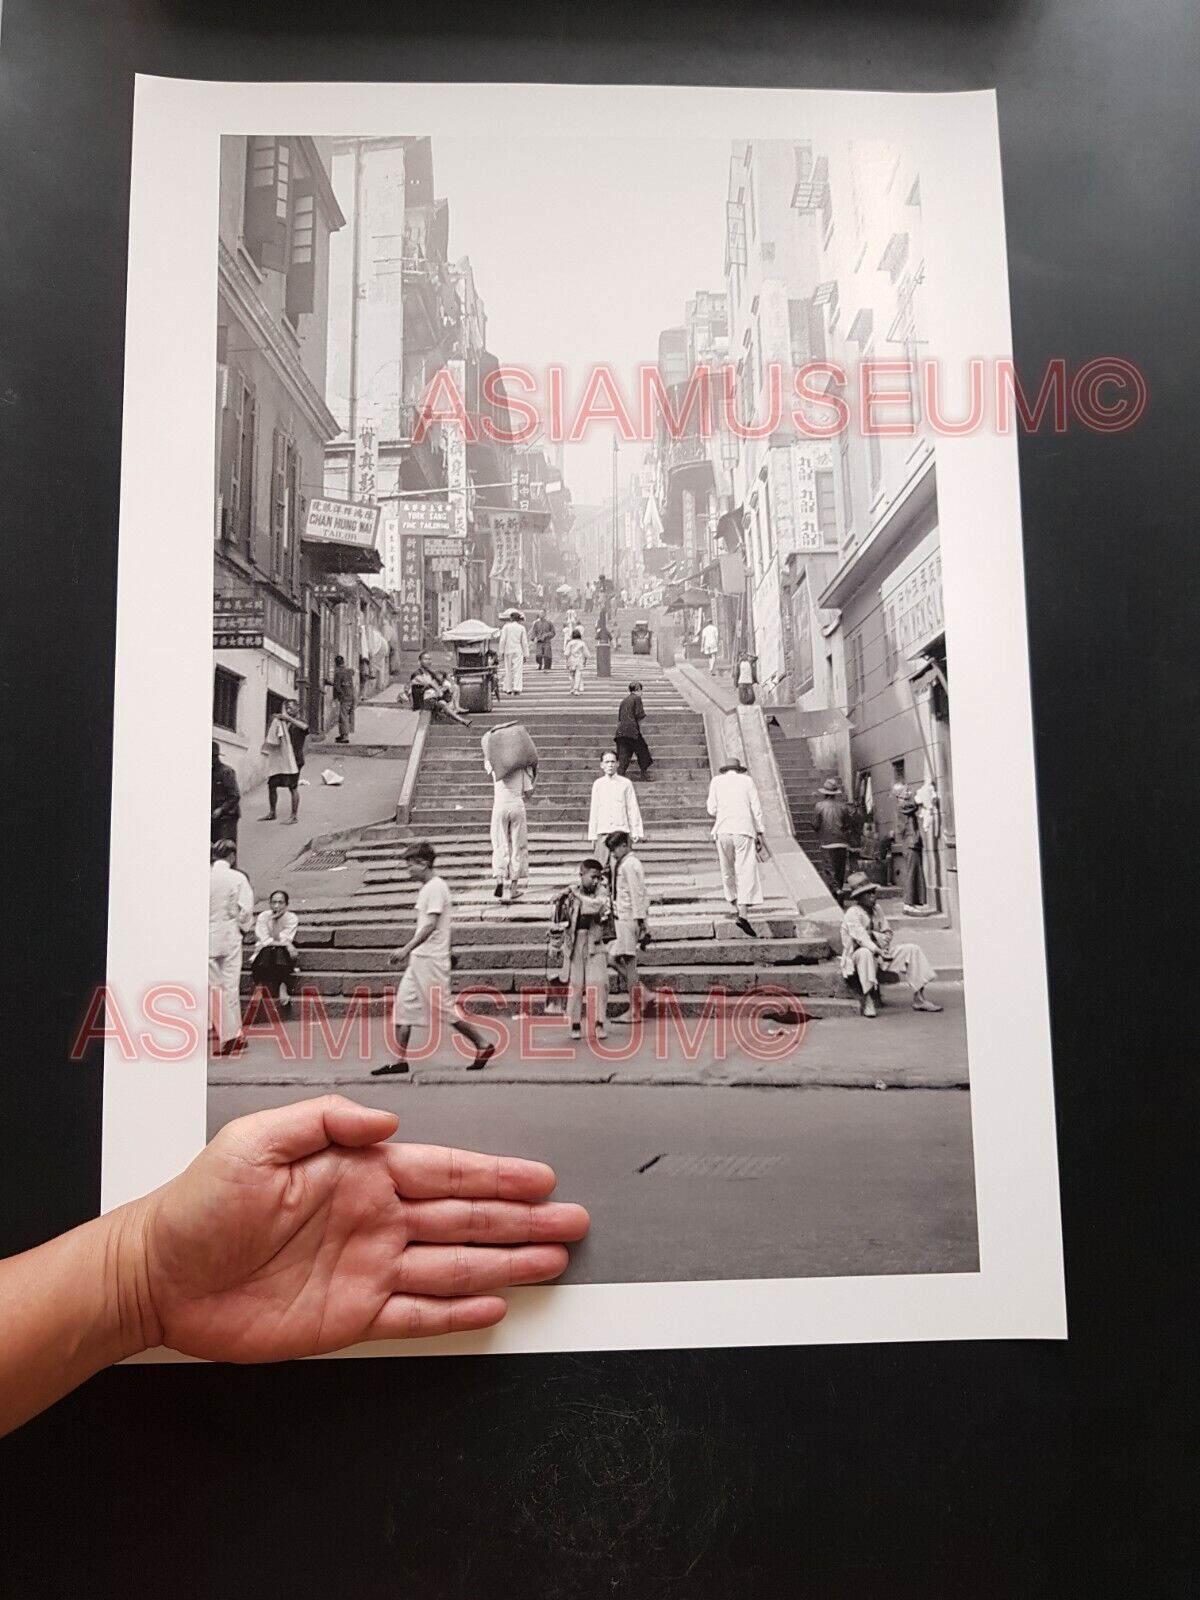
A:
{"x":154,"y":1114}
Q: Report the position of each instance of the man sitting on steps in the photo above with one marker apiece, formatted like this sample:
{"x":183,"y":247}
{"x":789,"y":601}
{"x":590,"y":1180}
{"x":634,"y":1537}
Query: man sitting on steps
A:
{"x":868,"y":951}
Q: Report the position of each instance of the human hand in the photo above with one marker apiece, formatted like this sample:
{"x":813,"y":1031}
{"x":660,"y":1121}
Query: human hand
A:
{"x":398,"y":957}
{"x":297,"y":1231}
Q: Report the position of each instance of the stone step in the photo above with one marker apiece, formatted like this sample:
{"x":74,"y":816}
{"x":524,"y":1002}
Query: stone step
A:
{"x":384,"y":906}
{"x":811,"y":1008}
{"x":532,"y":980}
{"x":708,"y":933}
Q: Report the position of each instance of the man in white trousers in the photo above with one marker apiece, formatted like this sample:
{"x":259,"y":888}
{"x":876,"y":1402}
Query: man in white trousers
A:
{"x":230,"y":915}
{"x":513,"y":650}
{"x":615,"y":808}
{"x":733,"y":801}
{"x":510,"y":831}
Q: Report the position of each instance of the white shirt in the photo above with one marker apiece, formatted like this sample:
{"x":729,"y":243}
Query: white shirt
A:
{"x":632,"y":898}
{"x":515,"y":786}
{"x":268,"y":931}
{"x":614,"y":808}
{"x":434,"y":901}
{"x":514,"y":641}
{"x":708,"y":639}
{"x":230,"y":908}
{"x":733,"y":800}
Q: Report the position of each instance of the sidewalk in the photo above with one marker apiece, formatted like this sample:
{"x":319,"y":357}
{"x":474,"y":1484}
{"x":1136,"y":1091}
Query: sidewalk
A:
{"x":900,"y":1049}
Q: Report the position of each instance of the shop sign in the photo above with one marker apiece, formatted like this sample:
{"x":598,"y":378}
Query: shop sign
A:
{"x":426,"y":516}
{"x":456,"y":459}
{"x":341,"y":522}
{"x":410,"y":624}
{"x":912,"y":600}
{"x":239,"y":621}
{"x":445,"y":547}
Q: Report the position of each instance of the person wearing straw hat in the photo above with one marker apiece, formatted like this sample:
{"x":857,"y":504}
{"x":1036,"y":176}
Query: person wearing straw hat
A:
{"x":834,"y":821}
{"x":514,"y":652}
{"x":868,"y":950}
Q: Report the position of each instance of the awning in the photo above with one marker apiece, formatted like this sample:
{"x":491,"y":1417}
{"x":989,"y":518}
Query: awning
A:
{"x":333,"y":558}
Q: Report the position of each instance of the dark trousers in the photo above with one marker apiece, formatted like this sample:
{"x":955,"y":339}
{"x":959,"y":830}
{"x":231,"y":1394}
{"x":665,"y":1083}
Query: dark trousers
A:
{"x":628,"y":748}
{"x":912,"y":877}
{"x":837,"y":858}
{"x":225,"y":828}
{"x":545,"y":658}
{"x":273,"y":966}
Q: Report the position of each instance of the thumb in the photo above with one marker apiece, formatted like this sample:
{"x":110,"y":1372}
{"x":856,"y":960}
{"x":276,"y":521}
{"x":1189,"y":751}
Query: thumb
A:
{"x":288,"y":1133}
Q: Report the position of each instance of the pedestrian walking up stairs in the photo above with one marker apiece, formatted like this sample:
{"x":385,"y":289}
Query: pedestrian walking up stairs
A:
{"x":696,"y":947}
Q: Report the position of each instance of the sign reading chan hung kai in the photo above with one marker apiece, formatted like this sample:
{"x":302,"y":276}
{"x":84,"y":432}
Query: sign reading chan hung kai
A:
{"x":341,"y":522}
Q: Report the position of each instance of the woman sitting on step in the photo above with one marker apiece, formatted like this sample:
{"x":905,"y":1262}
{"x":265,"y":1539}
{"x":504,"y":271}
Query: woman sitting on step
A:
{"x":275,"y":962}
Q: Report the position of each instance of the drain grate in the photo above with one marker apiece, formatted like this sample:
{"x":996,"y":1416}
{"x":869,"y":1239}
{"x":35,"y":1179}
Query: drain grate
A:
{"x":709,"y":1166}
{"x":321,"y":861}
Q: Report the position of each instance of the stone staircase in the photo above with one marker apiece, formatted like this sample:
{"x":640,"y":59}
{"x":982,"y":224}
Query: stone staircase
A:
{"x":500,"y":948}
{"x":801,"y":786}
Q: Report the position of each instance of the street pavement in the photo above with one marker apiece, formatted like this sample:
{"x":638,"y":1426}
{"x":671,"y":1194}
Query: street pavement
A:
{"x":716,"y":1182}
{"x":901,"y":1049}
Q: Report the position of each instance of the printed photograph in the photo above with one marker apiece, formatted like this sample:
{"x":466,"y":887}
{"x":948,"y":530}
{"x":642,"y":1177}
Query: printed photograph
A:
{"x":582,"y":778}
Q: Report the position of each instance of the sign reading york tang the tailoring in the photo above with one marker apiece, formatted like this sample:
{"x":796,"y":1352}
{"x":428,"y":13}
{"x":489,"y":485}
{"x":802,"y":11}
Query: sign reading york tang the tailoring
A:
{"x":427,"y":516}
{"x":341,"y":522}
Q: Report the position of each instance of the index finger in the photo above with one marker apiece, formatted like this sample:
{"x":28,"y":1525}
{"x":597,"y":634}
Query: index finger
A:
{"x":435,"y":1172}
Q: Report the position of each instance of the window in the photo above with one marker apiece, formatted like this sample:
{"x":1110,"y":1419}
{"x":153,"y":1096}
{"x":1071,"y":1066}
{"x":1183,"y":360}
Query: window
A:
{"x":898,"y":771}
{"x":826,"y":507}
{"x":268,"y":199}
{"x":301,"y":271}
{"x":226,"y":688}
{"x":855,"y":674}
{"x":279,"y":505}
{"x":242,"y":487}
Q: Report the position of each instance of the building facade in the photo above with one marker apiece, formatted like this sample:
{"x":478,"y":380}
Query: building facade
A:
{"x":825,"y":264}
{"x":275,"y":629}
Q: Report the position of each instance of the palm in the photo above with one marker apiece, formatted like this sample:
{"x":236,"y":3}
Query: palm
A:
{"x":297,"y":1232}
{"x":303,"y":1262}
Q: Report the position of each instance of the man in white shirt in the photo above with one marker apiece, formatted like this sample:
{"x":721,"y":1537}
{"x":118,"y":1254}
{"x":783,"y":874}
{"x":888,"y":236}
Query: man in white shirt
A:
{"x":708,"y":644}
{"x":614,"y":808}
{"x":230,"y":915}
{"x":513,"y":649}
{"x":733,"y":801}
{"x":424,"y":988}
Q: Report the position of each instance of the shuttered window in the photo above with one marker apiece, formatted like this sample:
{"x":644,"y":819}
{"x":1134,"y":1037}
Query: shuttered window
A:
{"x":265,"y":220}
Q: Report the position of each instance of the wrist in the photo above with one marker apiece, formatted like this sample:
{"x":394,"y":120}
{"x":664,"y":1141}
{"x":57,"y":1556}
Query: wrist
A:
{"x":129,"y":1323}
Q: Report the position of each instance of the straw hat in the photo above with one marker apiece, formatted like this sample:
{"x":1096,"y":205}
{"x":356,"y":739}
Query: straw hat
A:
{"x":831,"y":786}
{"x":858,"y":883}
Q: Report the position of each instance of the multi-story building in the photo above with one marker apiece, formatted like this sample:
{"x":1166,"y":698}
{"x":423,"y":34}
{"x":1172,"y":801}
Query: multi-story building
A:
{"x":825,"y":264}
{"x":275,"y":628}
{"x":461,"y":513}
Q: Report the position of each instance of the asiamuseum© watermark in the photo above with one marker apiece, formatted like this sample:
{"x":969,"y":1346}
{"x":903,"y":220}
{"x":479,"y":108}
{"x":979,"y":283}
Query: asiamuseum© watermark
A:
{"x":818,"y":399}
{"x":171,"y":1022}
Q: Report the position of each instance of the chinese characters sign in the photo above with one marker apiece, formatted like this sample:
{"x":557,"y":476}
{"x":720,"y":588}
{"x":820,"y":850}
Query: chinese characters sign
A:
{"x":341,"y":522}
{"x":238,"y":621}
{"x":912,"y":601}
{"x":427,"y":516}
{"x":411,"y":603}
